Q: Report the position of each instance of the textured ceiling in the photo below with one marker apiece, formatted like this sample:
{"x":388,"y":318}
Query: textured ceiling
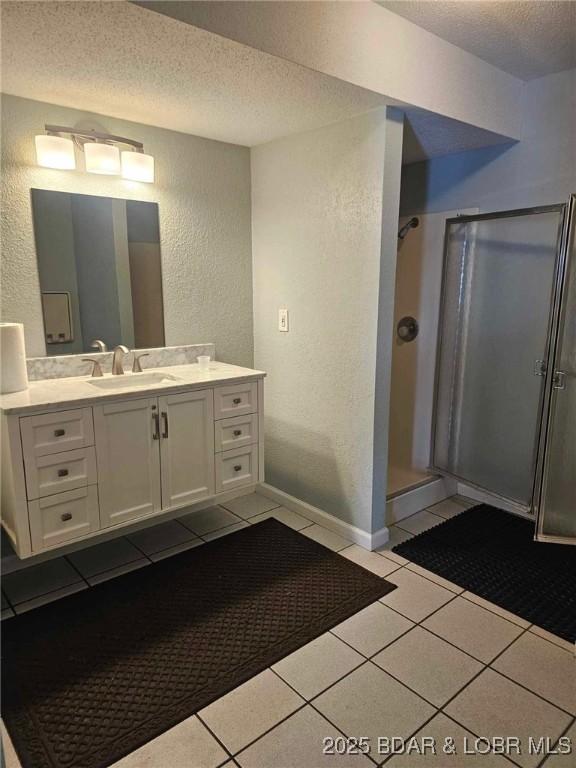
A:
{"x":117,"y":59}
{"x":427,"y":135}
{"x":527,"y":39}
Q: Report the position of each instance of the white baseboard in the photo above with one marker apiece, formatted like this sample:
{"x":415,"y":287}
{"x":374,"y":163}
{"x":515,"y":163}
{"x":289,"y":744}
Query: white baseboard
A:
{"x":366,"y":540}
{"x":406,"y":504}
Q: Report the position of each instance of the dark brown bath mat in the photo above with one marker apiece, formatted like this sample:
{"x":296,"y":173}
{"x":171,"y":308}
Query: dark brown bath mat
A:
{"x":94,"y":676}
{"x":493,"y":554}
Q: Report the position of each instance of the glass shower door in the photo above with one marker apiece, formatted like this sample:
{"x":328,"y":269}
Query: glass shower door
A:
{"x":556,"y":494}
{"x":498,"y":287}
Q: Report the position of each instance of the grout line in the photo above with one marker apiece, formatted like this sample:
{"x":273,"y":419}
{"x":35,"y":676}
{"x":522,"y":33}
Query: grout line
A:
{"x":140,"y":548}
{"x":78,"y":571}
{"x":310,"y":702}
{"x":564,"y":732}
{"x":216,"y":738}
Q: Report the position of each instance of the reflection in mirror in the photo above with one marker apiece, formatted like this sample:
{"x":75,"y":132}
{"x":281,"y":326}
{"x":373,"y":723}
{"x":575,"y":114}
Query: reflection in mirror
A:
{"x":100,"y":271}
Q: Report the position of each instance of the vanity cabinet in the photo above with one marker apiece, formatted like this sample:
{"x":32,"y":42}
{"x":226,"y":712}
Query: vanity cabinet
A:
{"x":186,"y":447}
{"x":75,"y":472}
{"x":128,"y":460}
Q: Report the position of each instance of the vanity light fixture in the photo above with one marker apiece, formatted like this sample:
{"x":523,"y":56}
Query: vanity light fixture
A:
{"x":101,"y":151}
{"x":102,"y":158}
{"x":55,"y":152}
{"x":137,"y":166}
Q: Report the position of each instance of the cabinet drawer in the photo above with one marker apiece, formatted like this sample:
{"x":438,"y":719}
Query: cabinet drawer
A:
{"x":236,"y":468}
{"x":236,"y":400}
{"x":58,"y":472}
{"x":56,"y":432}
{"x":63,"y":517}
{"x":236,"y":432}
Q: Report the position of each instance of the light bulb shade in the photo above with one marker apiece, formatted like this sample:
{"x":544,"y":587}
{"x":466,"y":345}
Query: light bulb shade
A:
{"x":55,"y":152}
{"x":102,"y":158}
{"x":137,"y":166}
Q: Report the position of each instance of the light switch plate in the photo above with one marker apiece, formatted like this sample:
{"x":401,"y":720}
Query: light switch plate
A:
{"x":283,"y":320}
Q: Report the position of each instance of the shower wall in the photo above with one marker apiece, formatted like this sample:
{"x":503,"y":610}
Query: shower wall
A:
{"x":418,"y":283}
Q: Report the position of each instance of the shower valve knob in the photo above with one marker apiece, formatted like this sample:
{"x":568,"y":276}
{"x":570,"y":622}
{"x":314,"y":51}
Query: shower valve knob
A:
{"x":407,"y":328}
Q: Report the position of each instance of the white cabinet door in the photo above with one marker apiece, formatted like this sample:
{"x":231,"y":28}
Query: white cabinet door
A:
{"x":128,"y":456}
{"x":187,"y":447}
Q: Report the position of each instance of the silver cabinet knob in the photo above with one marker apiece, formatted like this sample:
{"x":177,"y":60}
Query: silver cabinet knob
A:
{"x":238,"y":467}
{"x":66,"y":516}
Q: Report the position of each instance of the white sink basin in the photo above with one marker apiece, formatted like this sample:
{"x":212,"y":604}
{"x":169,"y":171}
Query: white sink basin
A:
{"x":130,"y":380}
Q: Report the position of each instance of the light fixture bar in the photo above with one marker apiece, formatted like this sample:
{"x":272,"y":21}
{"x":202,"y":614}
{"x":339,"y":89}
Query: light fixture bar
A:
{"x":96,"y":135}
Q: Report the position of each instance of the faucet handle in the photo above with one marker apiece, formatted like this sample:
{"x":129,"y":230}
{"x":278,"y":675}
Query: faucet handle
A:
{"x":136,"y":367}
{"x":99,"y":345}
{"x":96,"y":367}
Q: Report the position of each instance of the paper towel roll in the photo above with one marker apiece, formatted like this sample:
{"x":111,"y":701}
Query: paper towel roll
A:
{"x":13,"y":373}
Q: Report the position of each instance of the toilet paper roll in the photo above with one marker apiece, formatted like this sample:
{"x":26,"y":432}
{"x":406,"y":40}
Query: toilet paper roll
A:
{"x":13,"y":373}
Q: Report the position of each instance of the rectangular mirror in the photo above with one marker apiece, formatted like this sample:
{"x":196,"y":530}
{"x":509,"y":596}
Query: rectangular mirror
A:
{"x":100,"y":271}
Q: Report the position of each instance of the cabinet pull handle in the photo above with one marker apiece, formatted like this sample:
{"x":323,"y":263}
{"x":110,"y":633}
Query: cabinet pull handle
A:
{"x":59,"y":432}
{"x":156,"y":420}
{"x":62,"y":472}
{"x":237,"y":400}
{"x":165,"y":420}
{"x":66,"y":516}
{"x":238,"y":467}
{"x":237,"y":432}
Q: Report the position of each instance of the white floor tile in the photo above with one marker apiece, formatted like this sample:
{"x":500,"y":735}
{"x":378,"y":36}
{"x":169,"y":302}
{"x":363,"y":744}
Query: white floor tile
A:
{"x":188,"y":745}
{"x":392,"y":556}
{"x":298,"y":743}
{"x":286,"y":516}
{"x":224,"y":531}
{"x":372,"y":628}
{"x":496,"y":609}
{"x":250,"y":505}
{"x":494,"y":706}
{"x":10,"y":757}
{"x":251,"y":709}
{"x":104,"y":557}
{"x":431,"y":667}
{"x":476,"y":631}
{"x":439,"y":729}
{"x":396,"y":536}
{"x":431,"y":576}
{"x":50,"y":597}
{"x":447,"y":508}
{"x":120,"y":570}
{"x":208,"y":520}
{"x":420,"y":522}
{"x":368,"y":702}
{"x":165,"y":553}
{"x":566,"y":758}
{"x":416,"y":597}
{"x":566,"y":644}
{"x":317,"y":665}
{"x":379,"y":565}
{"x":542,"y":667}
{"x":38,"y":580}
{"x":327,"y":538}
{"x":159,"y":537}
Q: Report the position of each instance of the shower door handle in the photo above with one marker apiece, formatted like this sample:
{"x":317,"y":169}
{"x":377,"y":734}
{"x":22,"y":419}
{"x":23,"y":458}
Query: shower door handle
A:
{"x":559,"y":381}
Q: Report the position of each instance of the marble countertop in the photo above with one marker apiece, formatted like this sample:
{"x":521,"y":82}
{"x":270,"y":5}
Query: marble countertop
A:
{"x":54,"y":394}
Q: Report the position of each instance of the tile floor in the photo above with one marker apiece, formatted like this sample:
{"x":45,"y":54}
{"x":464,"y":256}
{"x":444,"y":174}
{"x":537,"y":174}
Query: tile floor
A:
{"x":427,"y":660}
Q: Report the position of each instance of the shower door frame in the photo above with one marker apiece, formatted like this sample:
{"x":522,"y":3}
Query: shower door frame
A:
{"x":552,"y":327}
{"x":568,"y":241}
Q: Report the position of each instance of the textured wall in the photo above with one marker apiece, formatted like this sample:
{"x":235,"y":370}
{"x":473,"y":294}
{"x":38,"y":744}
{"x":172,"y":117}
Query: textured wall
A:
{"x":539,"y":170}
{"x":203,"y":191}
{"x":317,"y":220}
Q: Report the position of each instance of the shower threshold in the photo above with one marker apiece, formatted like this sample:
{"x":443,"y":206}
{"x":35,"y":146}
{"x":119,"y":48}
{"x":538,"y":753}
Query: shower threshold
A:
{"x":403,"y":480}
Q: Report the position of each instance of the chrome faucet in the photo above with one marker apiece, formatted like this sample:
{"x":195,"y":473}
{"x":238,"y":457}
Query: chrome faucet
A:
{"x":99,"y":345}
{"x":119,"y":352}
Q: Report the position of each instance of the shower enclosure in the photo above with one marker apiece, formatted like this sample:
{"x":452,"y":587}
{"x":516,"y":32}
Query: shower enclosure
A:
{"x":505,"y":395}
